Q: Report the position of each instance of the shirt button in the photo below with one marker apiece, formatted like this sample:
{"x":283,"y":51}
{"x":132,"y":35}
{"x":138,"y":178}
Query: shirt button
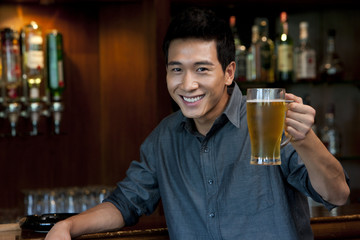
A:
{"x":210,"y":181}
{"x":211,"y":215}
{"x":206,"y":149}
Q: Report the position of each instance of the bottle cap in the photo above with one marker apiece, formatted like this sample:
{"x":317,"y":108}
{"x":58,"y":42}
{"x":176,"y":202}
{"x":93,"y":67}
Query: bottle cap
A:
{"x":232,"y":21}
{"x":283,"y":16}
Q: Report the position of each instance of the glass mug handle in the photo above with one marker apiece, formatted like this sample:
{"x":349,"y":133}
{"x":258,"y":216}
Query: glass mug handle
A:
{"x":287,"y":136}
{"x":287,"y":140}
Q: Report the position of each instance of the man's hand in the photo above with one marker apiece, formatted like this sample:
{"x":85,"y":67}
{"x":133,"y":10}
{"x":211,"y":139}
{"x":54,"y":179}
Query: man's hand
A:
{"x":299,"y":118}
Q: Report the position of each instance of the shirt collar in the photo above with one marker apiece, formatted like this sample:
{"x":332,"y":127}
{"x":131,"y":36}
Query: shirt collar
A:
{"x":233,"y":108}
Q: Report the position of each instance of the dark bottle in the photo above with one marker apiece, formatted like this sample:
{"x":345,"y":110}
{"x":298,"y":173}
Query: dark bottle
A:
{"x":332,"y":67}
{"x":266,"y":48}
{"x":252,"y":56}
{"x":330,"y":134}
{"x":284,"y":52}
{"x":240,"y":52}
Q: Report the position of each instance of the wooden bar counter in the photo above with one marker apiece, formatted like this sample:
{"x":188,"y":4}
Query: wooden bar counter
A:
{"x":340,"y":223}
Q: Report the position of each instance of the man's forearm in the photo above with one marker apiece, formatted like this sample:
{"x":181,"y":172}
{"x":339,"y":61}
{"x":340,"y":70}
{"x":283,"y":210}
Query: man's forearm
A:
{"x":325,"y":172}
{"x":101,"y":218}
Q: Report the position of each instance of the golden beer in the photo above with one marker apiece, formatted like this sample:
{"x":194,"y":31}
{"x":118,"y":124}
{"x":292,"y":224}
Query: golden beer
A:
{"x":266,"y":124}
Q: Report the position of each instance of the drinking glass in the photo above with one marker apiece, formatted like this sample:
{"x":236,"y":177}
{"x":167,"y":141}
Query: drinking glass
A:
{"x":266,"y":109}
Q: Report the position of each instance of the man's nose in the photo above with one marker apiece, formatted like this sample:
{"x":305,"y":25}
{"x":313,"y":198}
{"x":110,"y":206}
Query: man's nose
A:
{"x":189,"y":83}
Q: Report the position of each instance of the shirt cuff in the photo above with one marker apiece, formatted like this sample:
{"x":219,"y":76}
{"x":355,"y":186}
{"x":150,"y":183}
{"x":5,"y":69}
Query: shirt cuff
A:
{"x":125,"y":207}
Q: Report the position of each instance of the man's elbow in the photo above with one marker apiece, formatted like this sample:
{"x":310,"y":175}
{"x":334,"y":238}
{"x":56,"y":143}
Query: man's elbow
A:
{"x":341,"y":198}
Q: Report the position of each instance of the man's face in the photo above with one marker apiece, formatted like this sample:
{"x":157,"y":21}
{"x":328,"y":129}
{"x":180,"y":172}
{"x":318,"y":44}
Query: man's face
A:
{"x":195,"y":79}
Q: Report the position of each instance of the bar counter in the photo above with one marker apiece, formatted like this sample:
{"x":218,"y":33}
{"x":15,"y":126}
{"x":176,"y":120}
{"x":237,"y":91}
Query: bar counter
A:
{"x":341,"y":223}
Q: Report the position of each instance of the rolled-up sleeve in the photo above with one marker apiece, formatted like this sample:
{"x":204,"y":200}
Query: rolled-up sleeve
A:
{"x":138,"y":193}
{"x":297,"y":176}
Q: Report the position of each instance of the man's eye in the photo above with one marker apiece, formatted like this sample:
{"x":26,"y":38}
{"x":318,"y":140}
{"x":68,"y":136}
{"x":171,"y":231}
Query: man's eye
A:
{"x":202,"y":69}
{"x":176,"y":69}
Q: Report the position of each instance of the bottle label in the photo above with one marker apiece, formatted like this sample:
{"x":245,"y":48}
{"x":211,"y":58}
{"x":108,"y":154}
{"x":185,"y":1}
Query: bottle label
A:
{"x":60,"y":74}
{"x":285,"y":58}
{"x":306,"y":65}
{"x":250,"y":67}
{"x":35,"y":55}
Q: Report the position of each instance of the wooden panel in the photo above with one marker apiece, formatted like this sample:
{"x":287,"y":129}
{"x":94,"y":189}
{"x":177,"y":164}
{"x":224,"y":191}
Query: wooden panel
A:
{"x":130,"y":99}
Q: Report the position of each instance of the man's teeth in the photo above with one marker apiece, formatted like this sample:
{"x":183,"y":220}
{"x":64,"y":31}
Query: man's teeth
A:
{"x":194,"y":99}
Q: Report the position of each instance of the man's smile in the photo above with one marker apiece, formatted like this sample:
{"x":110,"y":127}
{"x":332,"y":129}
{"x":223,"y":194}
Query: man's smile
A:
{"x":192,"y":99}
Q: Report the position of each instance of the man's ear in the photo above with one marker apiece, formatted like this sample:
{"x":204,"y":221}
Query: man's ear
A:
{"x":230,"y":73}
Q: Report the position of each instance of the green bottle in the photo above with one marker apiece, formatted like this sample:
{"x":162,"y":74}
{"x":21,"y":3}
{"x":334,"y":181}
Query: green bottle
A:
{"x":55,"y":71}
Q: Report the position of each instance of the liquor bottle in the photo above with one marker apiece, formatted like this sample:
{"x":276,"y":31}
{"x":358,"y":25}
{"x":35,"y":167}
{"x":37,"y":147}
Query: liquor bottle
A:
{"x":266,"y":49}
{"x":284,"y":52}
{"x":240,"y":52}
{"x":252,"y":68}
{"x":55,"y":72}
{"x":305,"y":57}
{"x":330,"y":134}
{"x":232,"y":22}
{"x":33,"y":58}
{"x":332,"y":67}
{"x":11,"y":70}
{"x":240,"y":60}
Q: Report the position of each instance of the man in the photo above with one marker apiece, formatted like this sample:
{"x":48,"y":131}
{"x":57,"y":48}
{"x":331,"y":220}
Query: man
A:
{"x":197,"y":159}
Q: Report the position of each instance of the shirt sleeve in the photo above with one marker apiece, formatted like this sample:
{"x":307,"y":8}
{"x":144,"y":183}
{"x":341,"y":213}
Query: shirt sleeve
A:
{"x":297,"y":175}
{"x":138,"y":193}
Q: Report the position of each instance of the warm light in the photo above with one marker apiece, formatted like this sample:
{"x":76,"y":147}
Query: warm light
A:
{"x":34,"y":81}
{"x":34,"y":25}
{"x":283,"y":37}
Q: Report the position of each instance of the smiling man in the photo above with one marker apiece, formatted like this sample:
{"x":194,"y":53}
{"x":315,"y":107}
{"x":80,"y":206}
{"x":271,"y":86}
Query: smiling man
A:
{"x":197,"y":159}
{"x":197,"y":82}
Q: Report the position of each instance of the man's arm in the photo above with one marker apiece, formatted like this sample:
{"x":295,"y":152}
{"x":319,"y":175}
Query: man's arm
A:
{"x":103,"y":217}
{"x":325,"y":172}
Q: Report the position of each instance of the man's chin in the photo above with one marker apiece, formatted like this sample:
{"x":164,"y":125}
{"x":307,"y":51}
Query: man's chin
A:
{"x":190,"y":115}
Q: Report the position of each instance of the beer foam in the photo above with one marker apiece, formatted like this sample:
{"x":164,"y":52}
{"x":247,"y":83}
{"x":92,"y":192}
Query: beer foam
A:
{"x":266,"y":100}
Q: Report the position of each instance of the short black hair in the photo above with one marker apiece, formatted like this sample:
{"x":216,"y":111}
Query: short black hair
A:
{"x":206,"y":25}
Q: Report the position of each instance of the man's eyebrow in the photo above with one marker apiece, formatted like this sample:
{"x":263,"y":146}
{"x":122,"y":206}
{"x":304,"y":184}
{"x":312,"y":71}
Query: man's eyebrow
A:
{"x":174,"y":63}
{"x":204,"y":63}
{"x":171,"y":63}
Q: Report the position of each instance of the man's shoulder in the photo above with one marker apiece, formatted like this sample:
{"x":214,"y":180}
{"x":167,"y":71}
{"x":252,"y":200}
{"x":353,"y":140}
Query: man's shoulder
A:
{"x":170,"y":123}
{"x":172,"y":120}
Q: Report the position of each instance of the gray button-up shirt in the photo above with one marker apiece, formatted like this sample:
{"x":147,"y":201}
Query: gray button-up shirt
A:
{"x":209,"y":189}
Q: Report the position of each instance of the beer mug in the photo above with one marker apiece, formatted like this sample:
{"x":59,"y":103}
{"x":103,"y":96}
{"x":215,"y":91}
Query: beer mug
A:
{"x":266,"y":108}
